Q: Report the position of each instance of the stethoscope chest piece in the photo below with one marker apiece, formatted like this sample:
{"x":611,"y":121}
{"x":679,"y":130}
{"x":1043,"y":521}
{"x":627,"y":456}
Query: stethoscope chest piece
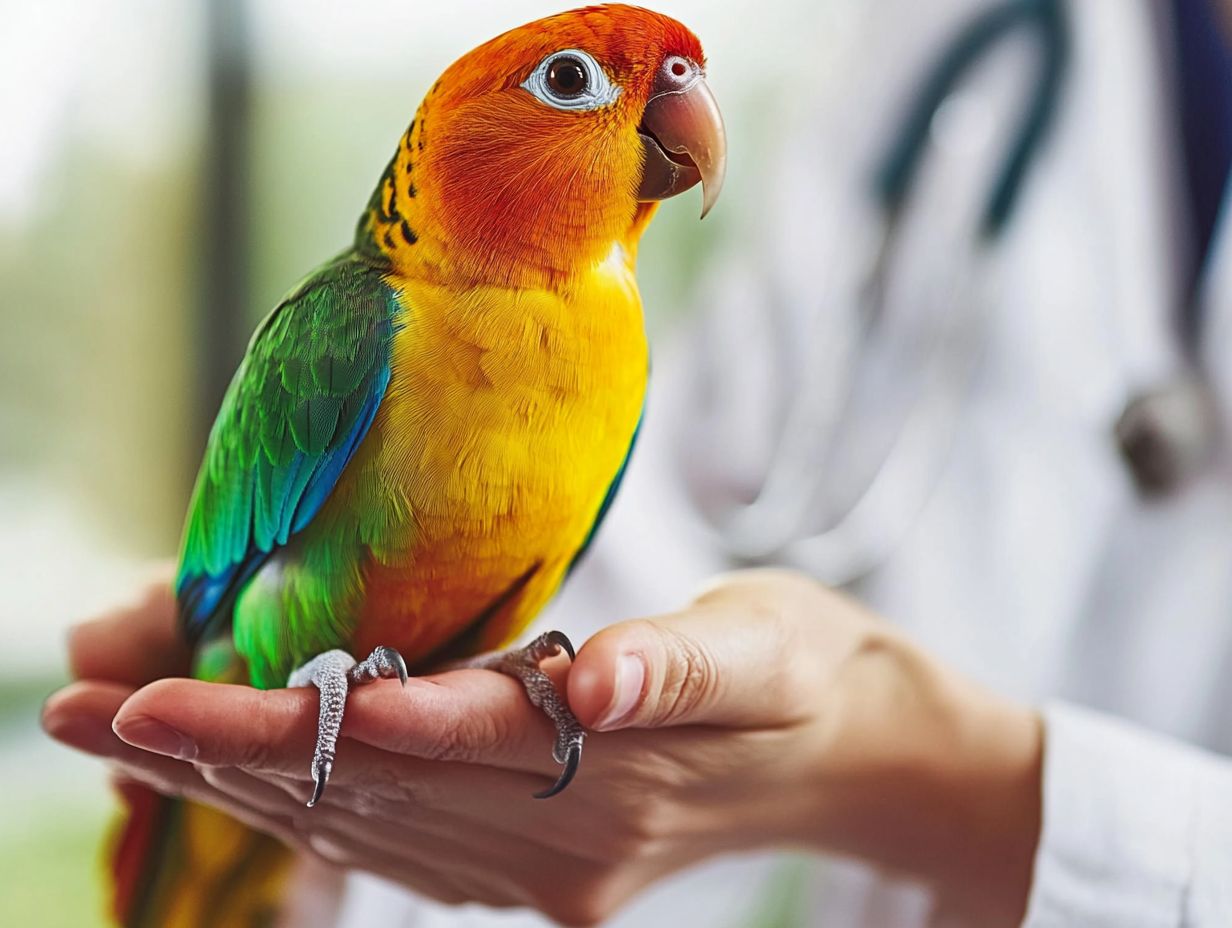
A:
{"x":1168,"y":435}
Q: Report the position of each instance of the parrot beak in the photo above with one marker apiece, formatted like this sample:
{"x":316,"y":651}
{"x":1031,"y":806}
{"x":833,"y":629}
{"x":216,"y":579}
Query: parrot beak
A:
{"x":682,"y":135}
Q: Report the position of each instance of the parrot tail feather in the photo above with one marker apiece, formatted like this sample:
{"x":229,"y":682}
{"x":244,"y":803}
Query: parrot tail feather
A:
{"x":176,"y":864}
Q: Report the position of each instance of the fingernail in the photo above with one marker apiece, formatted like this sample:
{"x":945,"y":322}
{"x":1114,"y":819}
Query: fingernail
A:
{"x":93,"y":736}
{"x":630,"y":676}
{"x":152,"y":735}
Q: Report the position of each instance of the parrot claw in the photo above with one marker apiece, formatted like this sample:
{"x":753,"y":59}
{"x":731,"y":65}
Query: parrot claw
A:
{"x":573,"y":758}
{"x":382,"y":663}
{"x":320,"y":776}
{"x":561,"y":641}
{"x":333,"y":673}
{"x":523,"y":665}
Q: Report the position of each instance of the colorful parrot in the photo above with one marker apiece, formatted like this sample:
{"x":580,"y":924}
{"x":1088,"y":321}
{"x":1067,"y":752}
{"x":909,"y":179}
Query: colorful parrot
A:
{"x":425,"y":434}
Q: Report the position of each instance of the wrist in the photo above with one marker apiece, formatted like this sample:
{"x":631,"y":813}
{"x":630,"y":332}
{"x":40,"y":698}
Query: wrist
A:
{"x":926,"y":774}
{"x":989,"y":770}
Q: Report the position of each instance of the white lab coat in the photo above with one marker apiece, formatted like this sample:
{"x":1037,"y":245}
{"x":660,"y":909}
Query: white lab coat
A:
{"x":1034,"y":567}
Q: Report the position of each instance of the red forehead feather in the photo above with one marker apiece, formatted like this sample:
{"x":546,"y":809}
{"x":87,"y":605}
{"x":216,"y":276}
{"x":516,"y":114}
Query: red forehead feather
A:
{"x":633,"y":30}
{"x":628,"y":38}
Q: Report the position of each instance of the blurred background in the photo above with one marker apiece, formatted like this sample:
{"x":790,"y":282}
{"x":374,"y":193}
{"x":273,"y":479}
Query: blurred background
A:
{"x":169,"y":169}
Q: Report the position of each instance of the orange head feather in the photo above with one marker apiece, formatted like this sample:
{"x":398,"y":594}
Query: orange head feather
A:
{"x":528,"y":159}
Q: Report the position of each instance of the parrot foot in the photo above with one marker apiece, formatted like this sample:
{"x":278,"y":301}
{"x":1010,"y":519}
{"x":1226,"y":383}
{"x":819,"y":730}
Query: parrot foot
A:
{"x":523,"y":665}
{"x":333,"y":673}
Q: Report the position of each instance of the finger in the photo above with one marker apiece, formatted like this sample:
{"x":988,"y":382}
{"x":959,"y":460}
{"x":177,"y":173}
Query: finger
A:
{"x":291,"y":823}
{"x":437,"y":796}
{"x":396,"y":827}
{"x":441,"y":793}
{"x":471,"y":865}
{"x":332,"y":833}
{"x":468,"y":716}
{"x":445,"y":799}
{"x":464,"y":717}
{"x":134,"y":644}
{"x":733,"y":658}
{"x":256,"y":791}
{"x":132,"y":781}
{"x":264,"y":807}
{"x":276,"y":816}
{"x":374,"y":837}
{"x":80,"y":716}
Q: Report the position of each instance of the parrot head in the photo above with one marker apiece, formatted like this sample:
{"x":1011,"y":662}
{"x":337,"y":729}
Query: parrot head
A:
{"x":546,"y":146}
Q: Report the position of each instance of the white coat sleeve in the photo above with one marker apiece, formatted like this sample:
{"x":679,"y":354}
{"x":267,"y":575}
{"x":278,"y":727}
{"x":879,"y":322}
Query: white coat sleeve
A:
{"x":1137,"y":829}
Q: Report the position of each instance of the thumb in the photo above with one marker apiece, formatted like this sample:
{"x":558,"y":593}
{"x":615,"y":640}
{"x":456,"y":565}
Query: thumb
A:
{"x":731,"y":658}
{"x":134,"y":644}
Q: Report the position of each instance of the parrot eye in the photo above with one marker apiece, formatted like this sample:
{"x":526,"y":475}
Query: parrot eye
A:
{"x":571,"y":80}
{"x":566,"y":77}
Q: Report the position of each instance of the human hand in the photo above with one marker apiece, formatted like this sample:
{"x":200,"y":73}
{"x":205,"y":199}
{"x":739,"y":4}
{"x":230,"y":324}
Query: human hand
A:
{"x":768,"y":712}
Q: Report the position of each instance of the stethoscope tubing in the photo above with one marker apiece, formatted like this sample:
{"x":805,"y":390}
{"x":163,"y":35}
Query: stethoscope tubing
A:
{"x":770,"y":528}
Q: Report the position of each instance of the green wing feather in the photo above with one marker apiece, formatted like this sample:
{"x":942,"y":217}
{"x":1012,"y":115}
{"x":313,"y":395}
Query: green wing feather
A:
{"x":299,"y":405}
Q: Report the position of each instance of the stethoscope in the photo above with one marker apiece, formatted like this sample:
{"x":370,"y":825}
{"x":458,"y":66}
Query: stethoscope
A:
{"x":781,"y":524}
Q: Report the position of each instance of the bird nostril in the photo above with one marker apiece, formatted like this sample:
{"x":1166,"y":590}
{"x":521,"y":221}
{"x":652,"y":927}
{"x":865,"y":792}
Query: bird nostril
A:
{"x":675,"y":74}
